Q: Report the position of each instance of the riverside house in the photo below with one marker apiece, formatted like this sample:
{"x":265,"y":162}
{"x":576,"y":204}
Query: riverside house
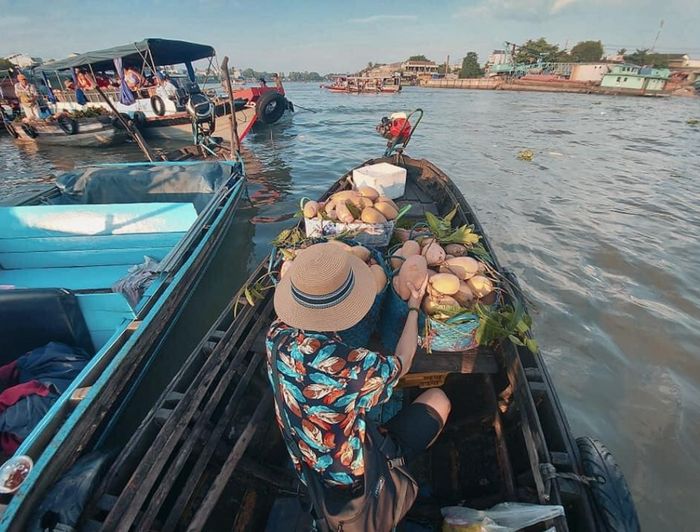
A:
{"x":633,"y":79}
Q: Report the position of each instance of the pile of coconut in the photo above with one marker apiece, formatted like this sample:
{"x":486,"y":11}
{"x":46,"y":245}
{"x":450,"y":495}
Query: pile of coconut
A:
{"x":353,"y":206}
{"x":455,"y":281}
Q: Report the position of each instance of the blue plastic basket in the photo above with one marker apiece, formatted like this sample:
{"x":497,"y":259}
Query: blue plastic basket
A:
{"x":444,"y":336}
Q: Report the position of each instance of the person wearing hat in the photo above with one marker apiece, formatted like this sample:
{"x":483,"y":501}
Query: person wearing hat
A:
{"x":325,"y":386}
{"x":28,"y":97}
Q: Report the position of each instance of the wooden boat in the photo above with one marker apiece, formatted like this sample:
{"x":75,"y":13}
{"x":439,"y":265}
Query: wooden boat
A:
{"x":160,"y":117}
{"x":82,"y":132}
{"x":208,"y":455}
{"x":364,"y":85}
{"x":62,"y":251}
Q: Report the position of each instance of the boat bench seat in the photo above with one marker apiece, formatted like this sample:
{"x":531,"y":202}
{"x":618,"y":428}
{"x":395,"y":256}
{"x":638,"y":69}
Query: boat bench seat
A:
{"x":85,"y":247}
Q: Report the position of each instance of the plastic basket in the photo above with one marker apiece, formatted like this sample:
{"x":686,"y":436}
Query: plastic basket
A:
{"x":377,"y":235}
{"x":444,"y":336}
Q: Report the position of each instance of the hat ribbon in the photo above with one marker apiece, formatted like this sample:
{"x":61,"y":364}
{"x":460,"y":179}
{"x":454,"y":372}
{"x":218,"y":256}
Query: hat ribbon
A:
{"x":324,"y":300}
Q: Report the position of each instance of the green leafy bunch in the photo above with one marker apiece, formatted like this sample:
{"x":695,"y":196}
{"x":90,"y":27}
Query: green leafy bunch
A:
{"x":510,"y":322}
{"x":444,"y":233}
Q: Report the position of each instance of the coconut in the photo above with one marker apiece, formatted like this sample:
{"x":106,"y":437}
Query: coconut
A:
{"x":361,"y":252}
{"x":445,"y":283}
{"x":413,"y":271}
{"x":379,"y":277}
{"x":310,"y":209}
{"x":433,"y":253}
{"x":457,"y":250}
{"x":368,"y":192}
{"x":480,"y":286}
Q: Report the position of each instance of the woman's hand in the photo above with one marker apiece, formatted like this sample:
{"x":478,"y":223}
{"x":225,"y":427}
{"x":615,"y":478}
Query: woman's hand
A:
{"x":417,"y":294}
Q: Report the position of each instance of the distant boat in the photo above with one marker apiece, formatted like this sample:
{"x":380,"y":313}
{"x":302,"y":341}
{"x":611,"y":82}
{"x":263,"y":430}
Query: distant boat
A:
{"x":362,"y":85}
{"x":158,"y":116}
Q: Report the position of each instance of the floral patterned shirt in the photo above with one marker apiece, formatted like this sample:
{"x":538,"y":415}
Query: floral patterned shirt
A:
{"x":327,"y":387}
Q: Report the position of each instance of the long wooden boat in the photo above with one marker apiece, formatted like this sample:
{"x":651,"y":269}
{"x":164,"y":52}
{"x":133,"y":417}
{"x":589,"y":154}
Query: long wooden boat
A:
{"x":364,"y":85}
{"x":62,"y":254}
{"x":160,"y":117}
{"x":82,"y":132}
{"x":208,"y":455}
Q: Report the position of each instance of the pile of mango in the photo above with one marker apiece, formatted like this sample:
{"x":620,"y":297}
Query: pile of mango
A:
{"x":363,"y":205}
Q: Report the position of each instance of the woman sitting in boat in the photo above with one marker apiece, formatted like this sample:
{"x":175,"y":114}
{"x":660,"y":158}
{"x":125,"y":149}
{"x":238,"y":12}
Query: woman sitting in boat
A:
{"x":134,"y":79}
{"x":326,"y":387}
{"x":85,"y":81}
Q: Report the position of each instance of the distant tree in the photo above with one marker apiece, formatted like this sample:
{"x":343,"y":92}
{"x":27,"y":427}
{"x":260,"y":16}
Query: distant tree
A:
{"x":533,"y":50}
{"x":644,"y":58}
{"x":304,"y":76}
{"x":622,"y":51}
{"x":370,"y":65}
{"x":470,"y":66}
{"x":587,"y":51}
{"x":418,"y":58}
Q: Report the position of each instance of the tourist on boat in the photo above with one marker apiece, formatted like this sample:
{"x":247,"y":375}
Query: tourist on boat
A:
{"x":166,"y":89}
{"x":326,"y":387}
{"x":28,"y":97}
{"x":134,"y":79}
{"x":86,"y":81}
{"x":69,"y":85}
{"x":102,"y":81}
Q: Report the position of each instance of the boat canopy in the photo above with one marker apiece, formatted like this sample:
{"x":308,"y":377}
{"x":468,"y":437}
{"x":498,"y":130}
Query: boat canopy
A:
{"x":161,"y":51}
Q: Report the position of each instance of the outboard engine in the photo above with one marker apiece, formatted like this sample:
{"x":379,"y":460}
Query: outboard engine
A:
{"x":202,"y":114}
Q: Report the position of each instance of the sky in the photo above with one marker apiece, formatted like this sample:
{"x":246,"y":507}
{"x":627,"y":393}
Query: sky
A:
{"x":343,"y":36}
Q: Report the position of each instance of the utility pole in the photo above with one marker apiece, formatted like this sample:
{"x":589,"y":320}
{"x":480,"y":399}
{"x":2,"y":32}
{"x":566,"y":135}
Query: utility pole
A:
{"x":658,"y":34}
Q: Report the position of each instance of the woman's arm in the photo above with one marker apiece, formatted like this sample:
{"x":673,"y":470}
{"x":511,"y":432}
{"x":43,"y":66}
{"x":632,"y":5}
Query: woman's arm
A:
{"x":406,"y":348}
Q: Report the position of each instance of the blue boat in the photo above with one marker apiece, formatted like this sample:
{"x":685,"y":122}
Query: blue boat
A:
{"x":92,"y":273}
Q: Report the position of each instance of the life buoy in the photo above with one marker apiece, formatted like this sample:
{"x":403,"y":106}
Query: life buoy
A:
{"x":67,"y":124}
{"x":270,"y":107}
{"x":30,"y":131}
{"x":139,"y":119}
{"x":158,"y":105}
{"x":613,"y":501}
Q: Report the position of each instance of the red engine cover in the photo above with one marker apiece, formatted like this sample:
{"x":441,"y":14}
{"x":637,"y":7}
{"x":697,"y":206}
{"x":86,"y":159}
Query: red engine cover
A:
{"x":400,"y":128}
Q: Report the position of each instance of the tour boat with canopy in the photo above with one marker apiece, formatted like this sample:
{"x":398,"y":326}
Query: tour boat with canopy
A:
{"x":156,"y":115}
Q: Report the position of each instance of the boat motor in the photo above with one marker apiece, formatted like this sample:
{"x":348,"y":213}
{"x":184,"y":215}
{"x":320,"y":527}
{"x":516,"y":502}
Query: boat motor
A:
{"x":397,"y":129}
{"x":202,"y":114}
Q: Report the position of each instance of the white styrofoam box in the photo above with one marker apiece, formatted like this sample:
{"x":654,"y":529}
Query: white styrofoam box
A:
{"x":377,"y":235}
{"x":387,"y":179}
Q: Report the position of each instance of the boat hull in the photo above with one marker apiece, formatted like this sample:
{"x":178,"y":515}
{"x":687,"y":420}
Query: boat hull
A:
{"x":178,"y":128}
{"x":90,"y":134}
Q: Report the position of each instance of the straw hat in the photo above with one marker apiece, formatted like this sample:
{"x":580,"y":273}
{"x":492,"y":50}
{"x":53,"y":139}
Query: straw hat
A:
{"x":325,"y":289}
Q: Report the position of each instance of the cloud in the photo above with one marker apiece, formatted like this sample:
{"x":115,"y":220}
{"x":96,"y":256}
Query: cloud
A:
{"x":514,"y":9}
{"x":382,"y":18}
{"x":558,"y":5}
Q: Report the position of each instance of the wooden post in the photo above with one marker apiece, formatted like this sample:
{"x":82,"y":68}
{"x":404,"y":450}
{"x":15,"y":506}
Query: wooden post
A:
{"x":234,"y":126}
{"x":132,"y":131}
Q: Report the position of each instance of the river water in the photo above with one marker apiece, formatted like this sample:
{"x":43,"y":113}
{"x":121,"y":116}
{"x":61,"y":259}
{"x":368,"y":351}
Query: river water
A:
{"x":602,"y":227}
